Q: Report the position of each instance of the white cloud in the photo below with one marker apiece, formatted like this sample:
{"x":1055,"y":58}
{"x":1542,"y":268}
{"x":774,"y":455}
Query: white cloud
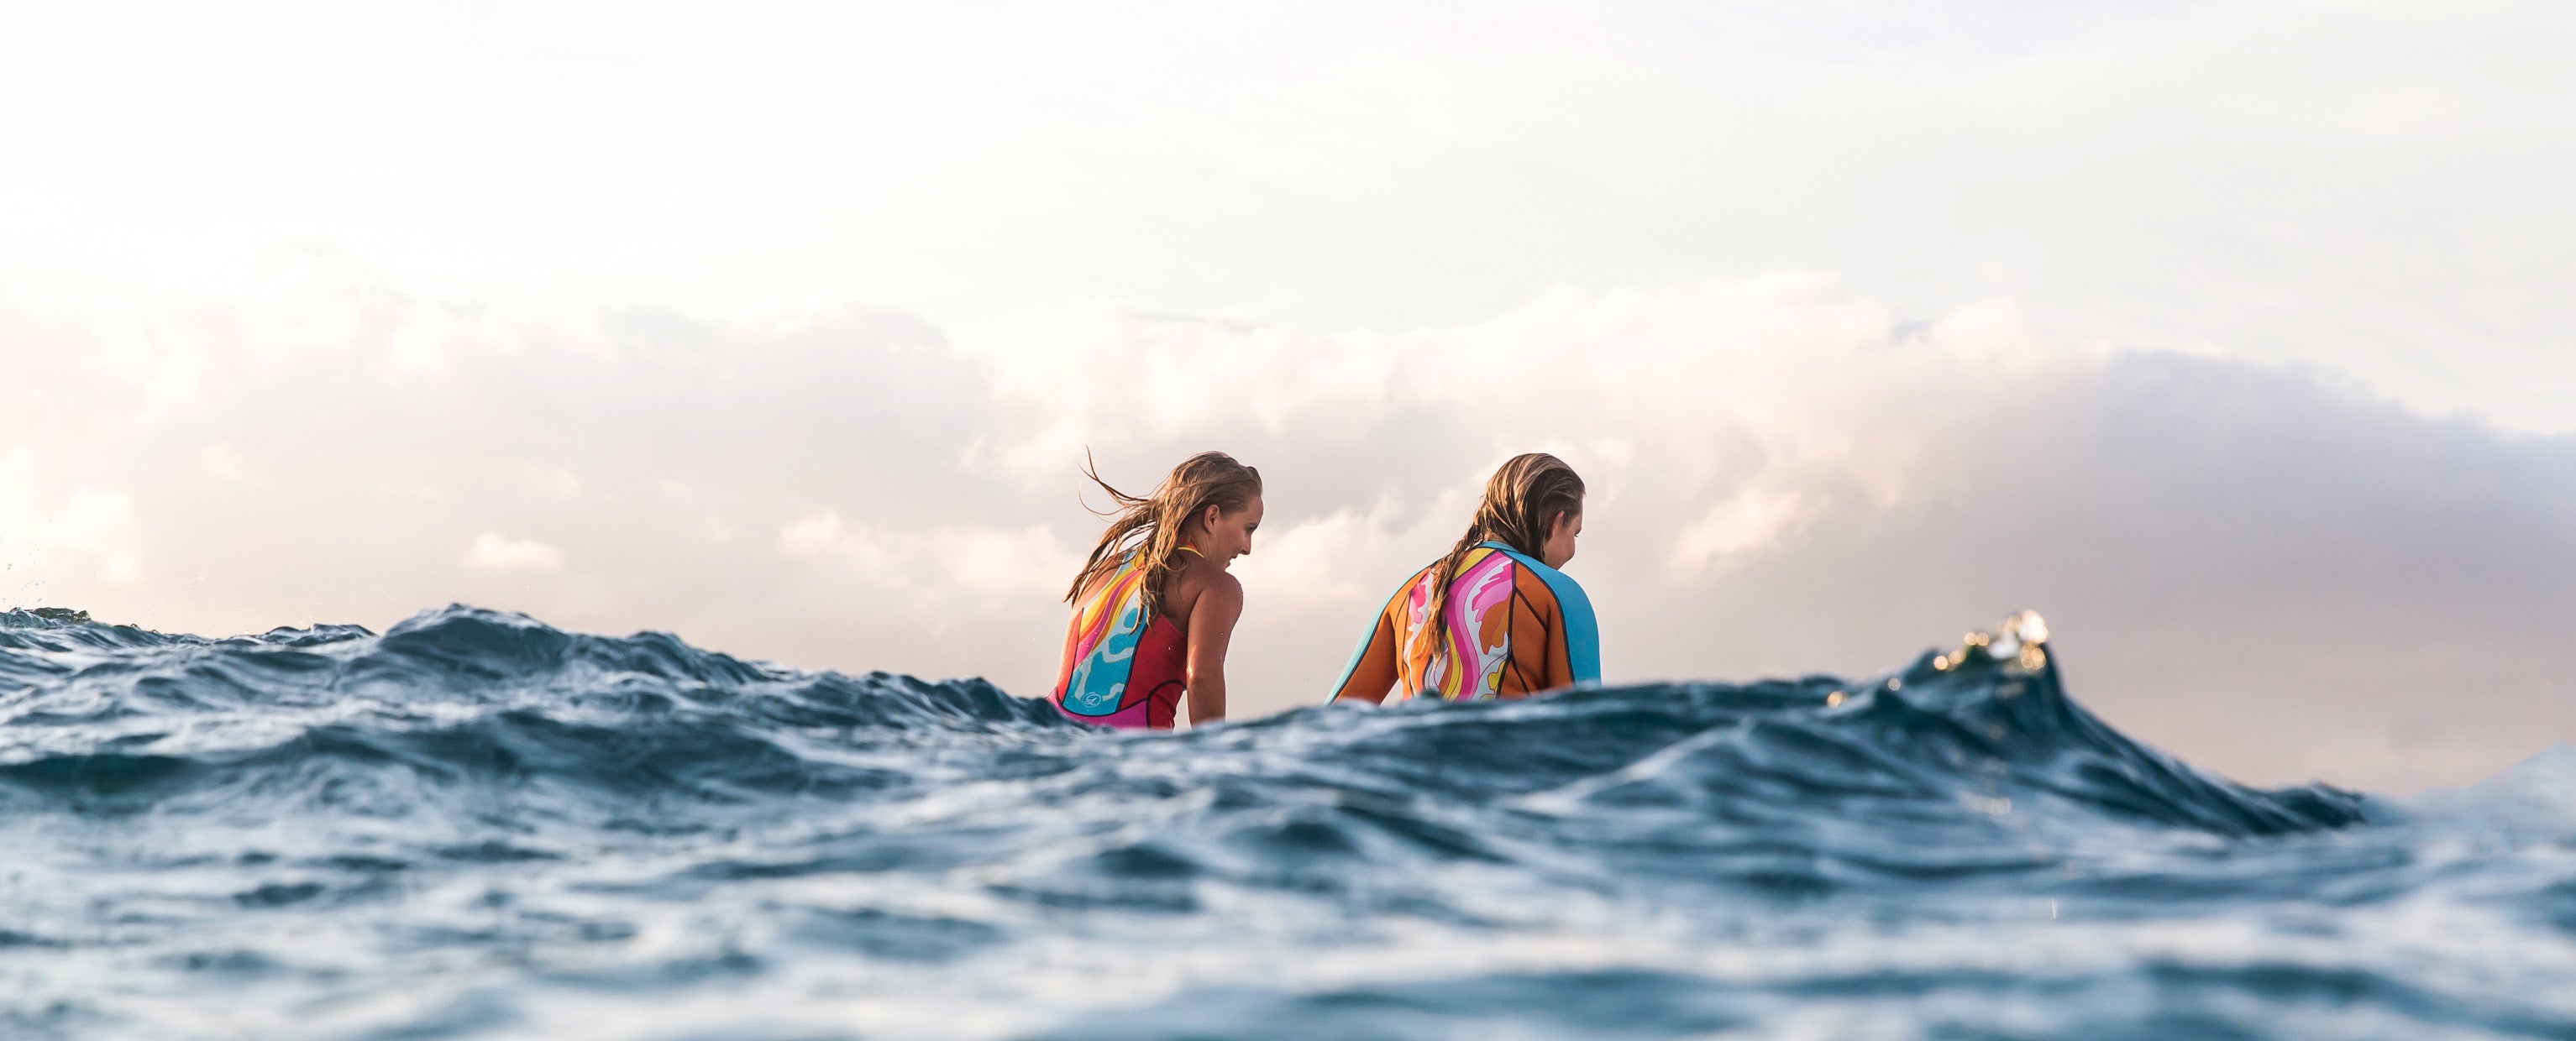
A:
{"x":94,"y":533}
{"x":408,"y":490}
{"x":2247,"y":173}
{"x":102,"y":524}
{"x":555,"y":483}
{"x":224,"y":463}
{"x":1320,"y":561}
{"x":1031,"y":561}
{"x":821,"y":535}
{"x":491,"y":551}
{"x":1750,"y":521}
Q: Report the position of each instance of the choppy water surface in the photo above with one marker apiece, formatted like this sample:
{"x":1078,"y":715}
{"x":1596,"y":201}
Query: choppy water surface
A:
{"x":478,"y":826}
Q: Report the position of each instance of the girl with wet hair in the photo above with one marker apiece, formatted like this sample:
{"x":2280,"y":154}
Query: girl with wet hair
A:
{"x":1493,"y":618}
{"x":1154,"y":606}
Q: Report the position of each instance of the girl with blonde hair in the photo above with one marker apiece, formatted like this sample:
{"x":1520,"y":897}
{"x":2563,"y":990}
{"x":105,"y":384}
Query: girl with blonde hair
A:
{"x":1493,"y":618}
{"x":1154,"y":607}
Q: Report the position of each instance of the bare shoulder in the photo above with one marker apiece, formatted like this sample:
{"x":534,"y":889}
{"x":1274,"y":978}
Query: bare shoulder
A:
{"x":1222,"y":600}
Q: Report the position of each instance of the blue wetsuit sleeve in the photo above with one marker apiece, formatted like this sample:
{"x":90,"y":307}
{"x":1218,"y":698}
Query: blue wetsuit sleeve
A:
{"x":1582,"y":632}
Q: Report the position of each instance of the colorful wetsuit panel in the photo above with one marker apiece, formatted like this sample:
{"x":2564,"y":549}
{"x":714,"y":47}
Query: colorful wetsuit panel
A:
{"x":1513,"y":627}
{"x":1120,"y":668}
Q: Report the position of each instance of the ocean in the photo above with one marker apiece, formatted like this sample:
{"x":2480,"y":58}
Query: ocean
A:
{"x":475,"y":825}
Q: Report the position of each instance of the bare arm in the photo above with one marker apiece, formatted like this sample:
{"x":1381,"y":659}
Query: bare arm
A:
{"x":1372,"y":670}
{"x":1212,"y":621}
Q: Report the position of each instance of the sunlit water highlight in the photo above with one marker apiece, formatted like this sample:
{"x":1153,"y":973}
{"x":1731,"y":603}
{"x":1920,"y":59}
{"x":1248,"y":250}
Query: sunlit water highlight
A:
{"x":476,"y":826}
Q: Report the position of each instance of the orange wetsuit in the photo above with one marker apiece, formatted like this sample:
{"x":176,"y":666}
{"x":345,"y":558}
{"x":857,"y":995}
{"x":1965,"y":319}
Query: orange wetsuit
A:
{"x":1515,"y":627}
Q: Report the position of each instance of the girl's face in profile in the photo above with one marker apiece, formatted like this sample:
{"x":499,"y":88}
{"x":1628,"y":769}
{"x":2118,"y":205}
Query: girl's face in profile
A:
{"x":1559,"y":547}
{"x":1225,"y":536}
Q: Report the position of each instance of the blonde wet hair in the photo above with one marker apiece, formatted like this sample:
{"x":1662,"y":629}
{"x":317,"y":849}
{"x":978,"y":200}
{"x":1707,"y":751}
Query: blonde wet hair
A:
{"x":1151,"y":524}
{"x":1522,"y":498}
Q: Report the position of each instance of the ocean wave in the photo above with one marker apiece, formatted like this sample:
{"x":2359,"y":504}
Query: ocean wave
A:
{"x":475,"y":824}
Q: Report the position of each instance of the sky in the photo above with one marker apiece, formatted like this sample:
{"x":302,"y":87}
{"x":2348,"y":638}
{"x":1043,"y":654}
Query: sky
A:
{"x":2233,"y":337}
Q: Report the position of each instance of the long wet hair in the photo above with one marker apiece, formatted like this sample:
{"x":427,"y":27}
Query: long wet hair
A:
{"x":1521,"y":499}
{"x":1151,"y":524}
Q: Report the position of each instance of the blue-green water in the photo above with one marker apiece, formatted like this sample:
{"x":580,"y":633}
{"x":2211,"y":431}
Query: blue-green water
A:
{"x":476,"y":826}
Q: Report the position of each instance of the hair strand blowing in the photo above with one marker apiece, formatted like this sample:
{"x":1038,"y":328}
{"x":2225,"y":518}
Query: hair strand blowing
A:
{"x":1151,"y":524}
{"x":1521,"y":500}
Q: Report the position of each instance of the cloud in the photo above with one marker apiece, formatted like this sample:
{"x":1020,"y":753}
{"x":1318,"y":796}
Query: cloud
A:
{"x":1750,"y":521}
{"x":1319,"y":561}
{"x":94,"y":534}
{"x":492,"y":552}
{"x":2258,"y":568}
{"x":821,"y":534}
{"x":222,"y":463}
{"x":929,"y":565}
